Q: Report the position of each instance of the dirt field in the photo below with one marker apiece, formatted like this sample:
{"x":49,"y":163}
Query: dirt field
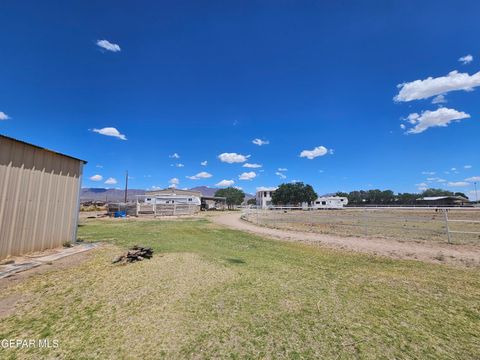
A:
{"x":422,"y":225}
{"x":430,"y":251}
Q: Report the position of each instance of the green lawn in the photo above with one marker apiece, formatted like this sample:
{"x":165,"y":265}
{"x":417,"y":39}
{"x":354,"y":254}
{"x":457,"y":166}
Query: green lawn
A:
{"x":216,"y":293}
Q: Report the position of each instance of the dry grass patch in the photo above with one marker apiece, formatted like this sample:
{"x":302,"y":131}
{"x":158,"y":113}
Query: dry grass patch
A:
{"x":210,"y":292}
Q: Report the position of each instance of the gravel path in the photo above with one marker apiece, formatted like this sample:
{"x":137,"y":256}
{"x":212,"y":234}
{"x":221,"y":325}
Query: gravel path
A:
{"x":463,"y":255}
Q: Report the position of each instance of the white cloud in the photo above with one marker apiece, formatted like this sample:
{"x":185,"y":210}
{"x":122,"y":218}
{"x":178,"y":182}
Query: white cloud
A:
{"x":281,"y":175}
{"x":225,"y":183}
{"x":247,"y":175}
{"x":96,"y":178}
{"x":423,"y":89}
{"x":110,"y":131}
{"x":232,"y":158}
{"x":422,"y":186}
{"x":467,"y":59}
{"x":439,"y":99}
{"x":458,"y":184}
{"x":204,"y":163}
{"x":473,"y":179}
{"x":436,"y":179}
{"x":438,"y":118}
{"x":174,"y":181}
{"x":312,"y":154}
{"x":260,"y":142}
{"x":428,"y":172}
{"x":174,"y":156}
{"x":282,"y":169}
{"x":111,"y":181}
{"x":402,"y":126}
{"x":467,"y":166}
{"x":107,"y":45}
{"x":179,"y":165}
{"x":200,"y":175}
{"x":4,"y":116}
{"x":238,"y":188}
{"x":252,"y":166}
{"x":453,"y":169}
{"x":99,"y":166}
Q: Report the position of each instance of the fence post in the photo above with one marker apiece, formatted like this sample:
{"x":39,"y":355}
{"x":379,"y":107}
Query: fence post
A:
{"x":365,"y":221}
{"x":447,"y":228}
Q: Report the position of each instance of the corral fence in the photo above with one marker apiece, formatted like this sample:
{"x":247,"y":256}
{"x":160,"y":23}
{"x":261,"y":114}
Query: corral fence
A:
{"x":453,"y":225}
{"x":166,"y":209}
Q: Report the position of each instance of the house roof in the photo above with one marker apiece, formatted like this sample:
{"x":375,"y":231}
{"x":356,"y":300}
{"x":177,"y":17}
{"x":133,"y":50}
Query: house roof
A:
{"x":173,"y":191}
{"x":41,"y":148}
{"x":434,"y":198}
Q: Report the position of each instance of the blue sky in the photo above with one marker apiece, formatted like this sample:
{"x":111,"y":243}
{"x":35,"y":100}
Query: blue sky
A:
{"x":200,"y":79}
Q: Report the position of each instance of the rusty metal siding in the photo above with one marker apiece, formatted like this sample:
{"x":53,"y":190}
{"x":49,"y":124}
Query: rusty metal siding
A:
{"x":39,"y":192}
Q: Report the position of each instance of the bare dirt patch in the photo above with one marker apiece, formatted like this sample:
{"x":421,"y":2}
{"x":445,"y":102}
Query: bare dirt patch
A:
{"x":60,"y":264}
{"x":463,"y":255}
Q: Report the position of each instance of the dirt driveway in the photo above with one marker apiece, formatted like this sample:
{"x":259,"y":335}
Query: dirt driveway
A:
{"x":463,"y":255}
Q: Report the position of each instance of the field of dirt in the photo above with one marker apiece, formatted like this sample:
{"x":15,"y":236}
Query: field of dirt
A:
{"x":417,"y":225}
{"x":435,"y":252}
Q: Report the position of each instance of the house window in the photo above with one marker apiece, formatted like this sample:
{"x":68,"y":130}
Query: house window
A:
{"x":264,"y":194}
{"x":324,"y":203}
{"x":189,"y":199}
{"x":149,"y":199}
{"x":317,"y":202}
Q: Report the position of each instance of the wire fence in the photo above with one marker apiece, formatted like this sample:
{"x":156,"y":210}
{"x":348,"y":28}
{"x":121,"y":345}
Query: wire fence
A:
{"x":450,"y":225}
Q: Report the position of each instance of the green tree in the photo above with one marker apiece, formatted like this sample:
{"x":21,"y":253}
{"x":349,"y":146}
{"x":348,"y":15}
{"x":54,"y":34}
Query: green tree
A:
{"x":294,"y":194}
{"x":234,"y":196}
{"x":252,"y":201}
{"x":461,"y":194}
{"x":436,"y":192}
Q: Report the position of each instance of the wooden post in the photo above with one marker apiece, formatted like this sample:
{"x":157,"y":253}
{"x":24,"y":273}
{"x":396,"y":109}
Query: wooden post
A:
{"x":126,"y":186}
{"x":447,"y":228}
{"x":365,"y":220}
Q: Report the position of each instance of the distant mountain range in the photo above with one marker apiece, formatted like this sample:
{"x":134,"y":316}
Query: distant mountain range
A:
{"x":113,"y":195}
{"x":108,"y":195}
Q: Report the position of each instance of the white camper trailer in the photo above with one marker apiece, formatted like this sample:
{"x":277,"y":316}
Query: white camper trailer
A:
{"x":330,"y":202}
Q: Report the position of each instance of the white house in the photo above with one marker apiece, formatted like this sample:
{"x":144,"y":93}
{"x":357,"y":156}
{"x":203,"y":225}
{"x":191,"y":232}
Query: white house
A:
{"x":264,"y":197}
{"x":172,"y":199}
{"x":330,"y":202}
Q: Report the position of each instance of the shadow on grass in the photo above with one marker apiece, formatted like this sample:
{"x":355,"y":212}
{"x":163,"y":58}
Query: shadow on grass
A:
{"x":235,"y":261}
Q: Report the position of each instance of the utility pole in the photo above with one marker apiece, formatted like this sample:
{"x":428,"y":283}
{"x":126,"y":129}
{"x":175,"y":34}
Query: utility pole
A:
{"x":476,"y":195}
{"x":126,"y":185}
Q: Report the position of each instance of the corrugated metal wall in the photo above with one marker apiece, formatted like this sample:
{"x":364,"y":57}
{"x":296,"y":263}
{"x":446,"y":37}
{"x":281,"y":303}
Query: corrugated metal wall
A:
{"x":39,"y":192}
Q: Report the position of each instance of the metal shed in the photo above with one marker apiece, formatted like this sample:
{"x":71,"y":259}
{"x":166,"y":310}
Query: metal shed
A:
{"x":39,"y":197}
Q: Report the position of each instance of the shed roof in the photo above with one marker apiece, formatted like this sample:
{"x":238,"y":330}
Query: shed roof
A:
{"x":434,"y":198}
{"x":41,"y":148}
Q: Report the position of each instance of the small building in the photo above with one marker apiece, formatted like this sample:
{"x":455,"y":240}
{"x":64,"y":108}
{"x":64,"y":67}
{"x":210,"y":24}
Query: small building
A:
{"x":330,"y":202}
{"x":174,"y":192}
{"x":264,"y":198}
{"x":444,"y":201}
{"x":39,"y":197}
{"x":213,"y":203}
